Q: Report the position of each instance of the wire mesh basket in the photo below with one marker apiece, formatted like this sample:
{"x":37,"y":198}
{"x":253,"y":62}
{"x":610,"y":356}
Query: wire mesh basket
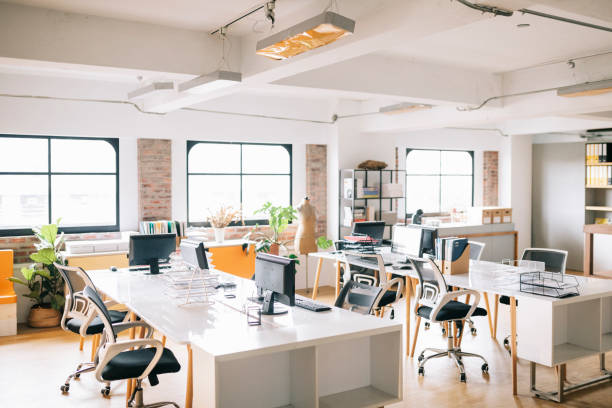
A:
{"x":552,"y":284}
{"x":191,"y":286}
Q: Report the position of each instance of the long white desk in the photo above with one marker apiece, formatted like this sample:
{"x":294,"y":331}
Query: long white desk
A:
{"x":300,"y":359}
{"x":553,"y":331}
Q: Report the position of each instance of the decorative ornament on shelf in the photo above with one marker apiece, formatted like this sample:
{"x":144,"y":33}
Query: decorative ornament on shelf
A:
{"x":43,"y":280}
{"x":372,"y":165}
{"x":223,"y":217}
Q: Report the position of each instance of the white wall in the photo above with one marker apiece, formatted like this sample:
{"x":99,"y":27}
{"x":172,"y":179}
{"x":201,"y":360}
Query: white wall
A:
{"x":521,"y":152}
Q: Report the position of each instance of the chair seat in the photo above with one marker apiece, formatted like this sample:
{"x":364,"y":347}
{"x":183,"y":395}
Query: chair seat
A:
{"x":96,"y":326}
{"x":453,"y":310}
{"x":387,"y":298}
{"x":131,"y":364}
{"x":505,"y":300}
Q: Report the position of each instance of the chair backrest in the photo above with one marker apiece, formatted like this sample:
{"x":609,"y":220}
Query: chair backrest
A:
{"x":74,"y":277}
{"x":358,"y":297}
{"x":382,"y":276}
{"x":476,"y":249}
{"x":432,"y":284}
{"x":554,"y":259}
{"x":74,"y":307}
{"x":96,"y":302}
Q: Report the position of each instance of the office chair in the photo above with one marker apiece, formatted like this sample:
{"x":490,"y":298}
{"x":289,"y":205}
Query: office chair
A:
{"x":435,"y":303}
{"x":388,"y":297}
{"x":554,"y":261}
{"x":78,"y":318}
{"x":117,"y":362}
{"x":358,"y":297}
{"x":476,"y":249}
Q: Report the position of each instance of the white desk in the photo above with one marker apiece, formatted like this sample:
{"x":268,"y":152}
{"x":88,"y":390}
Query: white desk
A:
{"x":553,"y":331}
{"x":301,"y":359}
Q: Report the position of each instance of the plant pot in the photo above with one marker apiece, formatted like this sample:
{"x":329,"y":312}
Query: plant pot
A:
{"x":219,"y":234}
{"x":274,"y":249}
{"x":44,"y":317}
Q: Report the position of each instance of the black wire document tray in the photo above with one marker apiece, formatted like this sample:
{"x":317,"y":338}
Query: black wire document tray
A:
{"x":552,"y":284}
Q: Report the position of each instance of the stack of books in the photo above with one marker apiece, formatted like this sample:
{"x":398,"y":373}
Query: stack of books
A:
{"x":163,"y":227}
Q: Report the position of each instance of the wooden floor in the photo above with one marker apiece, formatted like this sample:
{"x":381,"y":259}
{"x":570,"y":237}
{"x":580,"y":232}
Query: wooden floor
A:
{"x":34,"y":364}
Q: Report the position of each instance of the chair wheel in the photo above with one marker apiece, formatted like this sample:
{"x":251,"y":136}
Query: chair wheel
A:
{"x":427,"y":325}
{"x":392,"y":315}
{"x":420,"y":358}
{"x":65,"y":388}
{"x":422,"y":371}
{"x":105,"y":391}
{"x":506,"y":343}
{"x":485,"y":368}
{"x":473,"y":331}
{"x":462,"y":377}
{"x":443,"y":331}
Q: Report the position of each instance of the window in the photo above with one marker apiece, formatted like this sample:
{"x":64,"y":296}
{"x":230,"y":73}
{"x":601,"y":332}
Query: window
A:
{"x":243,"y":175}
{"x":439,"y":180}
{"x":44,"y":178}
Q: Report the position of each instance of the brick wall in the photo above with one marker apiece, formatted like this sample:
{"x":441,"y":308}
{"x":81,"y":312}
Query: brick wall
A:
{"x":490,"y":182}
{"x":154,"y":179}
{"x":316,"y":183}
{"x":24,"y":246}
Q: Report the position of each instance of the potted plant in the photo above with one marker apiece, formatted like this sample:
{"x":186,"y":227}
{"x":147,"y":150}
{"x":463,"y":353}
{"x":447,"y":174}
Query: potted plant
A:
{"x":43,"y":280}
{"x":278,"y":219}
{"x":221,"y":219}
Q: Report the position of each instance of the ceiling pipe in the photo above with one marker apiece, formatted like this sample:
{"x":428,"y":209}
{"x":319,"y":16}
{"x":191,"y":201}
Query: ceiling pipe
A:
{"x":487,"y":9}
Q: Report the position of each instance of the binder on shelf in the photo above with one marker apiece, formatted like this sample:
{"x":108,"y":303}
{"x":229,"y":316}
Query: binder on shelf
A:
{"x":453,"y":255}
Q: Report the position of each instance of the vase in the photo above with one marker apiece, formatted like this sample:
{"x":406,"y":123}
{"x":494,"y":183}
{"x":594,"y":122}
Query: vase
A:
{"x":44,"y":317}
{"x":219,"y":234}
{"x":274,"y":249}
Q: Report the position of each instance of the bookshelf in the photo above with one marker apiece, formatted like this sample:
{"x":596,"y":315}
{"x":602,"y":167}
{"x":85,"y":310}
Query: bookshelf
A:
{"x":598,"y":182}
{"x":353,"y":205}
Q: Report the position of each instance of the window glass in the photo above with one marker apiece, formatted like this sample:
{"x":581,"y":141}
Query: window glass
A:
{"x":82,"y":156}
{"x":208,"y":193}
{"x":265,"y":159}
{"x":259,"y":189}
{"x":24,"y":155}
{"x":214,"y":158}
{"x":83,"y":199}
{"x":438,"y":180}
{"x":23,"y":201}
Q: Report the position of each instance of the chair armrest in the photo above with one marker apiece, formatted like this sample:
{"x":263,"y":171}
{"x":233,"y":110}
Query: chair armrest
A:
{"x":452,"y":295}
{"x":123,"y":326}
{"x":400,"y":287}
{"x":109,"y":351}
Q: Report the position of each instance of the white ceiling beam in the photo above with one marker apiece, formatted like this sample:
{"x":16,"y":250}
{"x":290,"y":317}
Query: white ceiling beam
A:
{"x":401,"y":79}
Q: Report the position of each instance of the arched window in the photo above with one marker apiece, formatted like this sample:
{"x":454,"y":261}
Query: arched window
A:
{"x":439,"y":180}
{"x":43,"y":178}
{"x":243,"y":175}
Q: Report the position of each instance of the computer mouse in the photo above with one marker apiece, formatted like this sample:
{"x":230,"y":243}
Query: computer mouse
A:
{"x":113,"y":268}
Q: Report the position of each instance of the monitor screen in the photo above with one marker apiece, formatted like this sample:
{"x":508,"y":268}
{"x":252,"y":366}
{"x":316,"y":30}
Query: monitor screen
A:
{"x":373,"y":229}
{"x":148,"y":249}
{"x":407,"y":240}
{"x":275,"y":275}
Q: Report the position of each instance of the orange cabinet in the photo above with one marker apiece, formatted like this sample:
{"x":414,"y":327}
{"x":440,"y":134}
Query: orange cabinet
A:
{"x":235,"y":257}
{"x":7,"y":294}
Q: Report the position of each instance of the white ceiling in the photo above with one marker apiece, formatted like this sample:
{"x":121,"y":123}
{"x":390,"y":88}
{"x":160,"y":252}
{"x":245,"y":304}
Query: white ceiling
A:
{"x":205,"y":15}
{"x":498,"y":45}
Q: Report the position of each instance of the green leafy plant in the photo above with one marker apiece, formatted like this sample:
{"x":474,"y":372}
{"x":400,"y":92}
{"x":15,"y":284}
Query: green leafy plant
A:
{"x":43,"y":280}
{"x":324,"y":242}
{"x":278,"y":219}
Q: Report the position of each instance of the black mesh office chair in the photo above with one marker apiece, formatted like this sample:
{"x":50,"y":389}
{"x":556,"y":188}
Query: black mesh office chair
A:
{"x":436,"y":304}
{"x":79,"y":318}
{"x":358,"y":297}
{"x":116,"y":361}
{"x":554,"y":260}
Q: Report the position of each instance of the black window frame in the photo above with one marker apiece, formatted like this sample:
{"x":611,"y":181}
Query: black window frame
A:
{"x":114,"y":142}
{"x":440,"y":174}
{"x":192,"y":143}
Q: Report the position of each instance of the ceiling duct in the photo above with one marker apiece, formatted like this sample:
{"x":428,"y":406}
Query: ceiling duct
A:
{"x":485,"y":8}
{"x":586,"y":89}
{"x":597,"y":133}
{"x":150,"y":89}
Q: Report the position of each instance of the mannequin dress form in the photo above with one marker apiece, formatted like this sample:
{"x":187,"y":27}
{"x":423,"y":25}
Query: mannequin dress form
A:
{"x":305,"y":240}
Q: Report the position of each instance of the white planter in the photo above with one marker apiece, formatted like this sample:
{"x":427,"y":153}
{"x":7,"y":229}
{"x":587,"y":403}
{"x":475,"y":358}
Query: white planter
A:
{"x":219,"y":234}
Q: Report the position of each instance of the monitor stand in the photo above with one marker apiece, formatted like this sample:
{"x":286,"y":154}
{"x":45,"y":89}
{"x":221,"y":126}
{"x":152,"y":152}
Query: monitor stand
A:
{"x":153,"y":267}
{"x":267,"y":307}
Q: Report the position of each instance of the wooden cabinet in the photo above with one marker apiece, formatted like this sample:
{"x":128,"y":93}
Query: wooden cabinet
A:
{"x":102,"y":260}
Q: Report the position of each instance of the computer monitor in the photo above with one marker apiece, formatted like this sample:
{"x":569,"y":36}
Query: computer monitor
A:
{"x":428,"y":242}
{"x":373,"y":229}
{"x":194,"y":254}
{"x":407,"y":240}
{"x":275,"y":278}
{"x":151,"y":249}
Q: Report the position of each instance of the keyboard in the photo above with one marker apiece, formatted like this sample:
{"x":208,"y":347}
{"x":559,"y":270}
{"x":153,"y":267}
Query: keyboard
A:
{"x":308,"y":304}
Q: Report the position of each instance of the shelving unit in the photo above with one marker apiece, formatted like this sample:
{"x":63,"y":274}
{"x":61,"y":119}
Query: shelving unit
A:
{"x":370,"y":178}
{"x":598,"y":182}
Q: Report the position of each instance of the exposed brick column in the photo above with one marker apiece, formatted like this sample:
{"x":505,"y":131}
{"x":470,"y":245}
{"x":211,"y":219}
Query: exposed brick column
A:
{"x":316,"y":183}
{"x":490,"y":178}
{"x":154,"y":179}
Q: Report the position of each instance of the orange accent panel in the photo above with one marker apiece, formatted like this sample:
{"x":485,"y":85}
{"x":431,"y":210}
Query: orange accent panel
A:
{"x":232,"y":259}
{"x":7,"y":293}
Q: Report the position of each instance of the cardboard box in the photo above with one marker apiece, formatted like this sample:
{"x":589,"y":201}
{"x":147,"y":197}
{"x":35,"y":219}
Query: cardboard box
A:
{"x":479,"y":215}
{"x":507,"y":216}
{"x":497,"y":216}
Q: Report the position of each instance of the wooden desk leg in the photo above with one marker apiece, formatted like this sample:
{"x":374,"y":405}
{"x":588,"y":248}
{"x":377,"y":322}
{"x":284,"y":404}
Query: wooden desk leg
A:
{"x":315,"y":288}
{"x":513,"y":344}
{"x":486,"y":299}
{"x":81,"y":343}
{"x":130,"y":383}
{"x":588,"y":254}
{"x":416,"y":335}
{"x":189,"y":392}
{"x":496,"y":311}
{"x":408,"y":295}
{"x":337,"y":280}
{"x":164,"y":341}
